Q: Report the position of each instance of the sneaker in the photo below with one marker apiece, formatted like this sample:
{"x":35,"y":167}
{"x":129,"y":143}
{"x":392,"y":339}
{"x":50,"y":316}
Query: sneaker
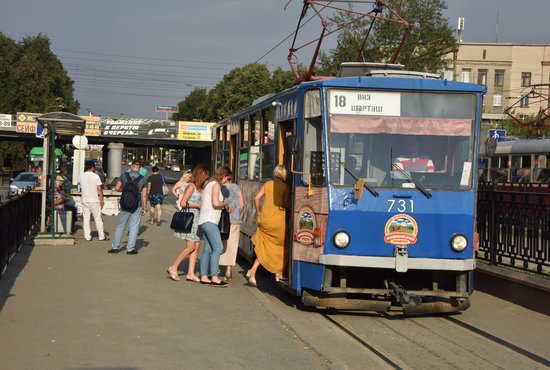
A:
{"x":133,"y":251}
{"x":114,"y":250}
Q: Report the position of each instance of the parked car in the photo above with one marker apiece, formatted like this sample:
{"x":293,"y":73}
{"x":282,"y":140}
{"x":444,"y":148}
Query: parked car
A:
{"x":168,"y":167}
{"x":23,"y":181}
{"x":176,"y":168}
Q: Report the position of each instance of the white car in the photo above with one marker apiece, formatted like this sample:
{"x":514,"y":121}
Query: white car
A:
{"x":176,"y":168}
{"x":24,"y":181}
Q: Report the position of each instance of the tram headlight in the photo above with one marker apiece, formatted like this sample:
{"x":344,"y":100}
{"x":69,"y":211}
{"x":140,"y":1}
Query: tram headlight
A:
{"x":341,"y":239}
{"x":459,"y":243}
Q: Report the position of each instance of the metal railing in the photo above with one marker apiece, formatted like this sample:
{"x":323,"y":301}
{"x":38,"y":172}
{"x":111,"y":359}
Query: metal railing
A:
{"x":513,"y":222}
{"x":19,"y":216}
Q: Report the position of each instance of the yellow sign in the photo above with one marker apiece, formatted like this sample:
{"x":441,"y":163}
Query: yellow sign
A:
{"x":92,"y":125}
{"x":26,"y":122}
{"x":195,"y":131}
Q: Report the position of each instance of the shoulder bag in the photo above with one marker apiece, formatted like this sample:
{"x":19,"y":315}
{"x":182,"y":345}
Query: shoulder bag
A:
{"x":182,"y":221}
{"x":165,"y":190}
{"x":224,"y":225}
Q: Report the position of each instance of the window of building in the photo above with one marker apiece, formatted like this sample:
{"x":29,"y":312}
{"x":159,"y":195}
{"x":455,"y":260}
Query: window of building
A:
{"x":497,"y":100}
{"x":484,"y":54}
{"x":482,"y":77}
{"x":524,"y":102}
{"x":465,"y":75}
{"x":448,"y":75}
{"x":525,"y":78}
{"x":499,"y":77}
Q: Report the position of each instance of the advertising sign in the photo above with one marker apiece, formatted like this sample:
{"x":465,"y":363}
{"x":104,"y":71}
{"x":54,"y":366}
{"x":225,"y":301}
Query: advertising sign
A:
{"x":26,"y":122}
{"x":195,"y":131}
{"x":138,"y":127}
{"x":5,"y":122}
{"x":92,"y":125}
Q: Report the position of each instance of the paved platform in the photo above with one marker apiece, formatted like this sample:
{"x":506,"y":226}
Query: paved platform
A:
{"x":77,"y":306}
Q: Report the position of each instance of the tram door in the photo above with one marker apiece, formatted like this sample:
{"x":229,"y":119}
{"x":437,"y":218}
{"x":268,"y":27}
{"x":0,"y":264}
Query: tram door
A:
{"x":286,"y":129}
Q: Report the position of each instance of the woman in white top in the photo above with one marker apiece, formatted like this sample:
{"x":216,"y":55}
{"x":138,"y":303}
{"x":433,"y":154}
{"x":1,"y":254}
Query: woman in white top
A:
{"x":209,"y":217}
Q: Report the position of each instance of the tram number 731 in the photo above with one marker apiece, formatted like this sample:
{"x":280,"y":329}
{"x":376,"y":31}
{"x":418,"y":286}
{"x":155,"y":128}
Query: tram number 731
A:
{"x":401,"y":205}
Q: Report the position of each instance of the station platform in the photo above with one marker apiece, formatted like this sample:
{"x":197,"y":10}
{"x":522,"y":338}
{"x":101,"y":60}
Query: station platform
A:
{"x":77,"y":306}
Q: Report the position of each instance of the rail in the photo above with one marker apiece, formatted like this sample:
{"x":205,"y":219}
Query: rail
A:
{"x":513,"y":222}
{"x":19,"y":215}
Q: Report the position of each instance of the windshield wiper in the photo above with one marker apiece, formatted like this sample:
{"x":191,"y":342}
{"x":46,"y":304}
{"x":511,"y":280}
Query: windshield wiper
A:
{"x":408,"y":177}
{"x":365,"y":185}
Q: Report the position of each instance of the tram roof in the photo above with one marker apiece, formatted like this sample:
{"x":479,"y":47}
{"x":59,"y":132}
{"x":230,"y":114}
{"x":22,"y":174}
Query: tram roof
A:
{"x":523,"y":146}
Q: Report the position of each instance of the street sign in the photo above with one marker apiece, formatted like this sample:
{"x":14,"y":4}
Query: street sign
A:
{"x":166,"y":109}
{"x":497,"y":135}
{"x":39,"y":130}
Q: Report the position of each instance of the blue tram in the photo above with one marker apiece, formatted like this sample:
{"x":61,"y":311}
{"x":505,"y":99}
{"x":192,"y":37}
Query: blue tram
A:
{"x":371,"y":225}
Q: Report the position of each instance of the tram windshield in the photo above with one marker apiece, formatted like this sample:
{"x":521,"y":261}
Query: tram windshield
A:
{"x":399,"y":139}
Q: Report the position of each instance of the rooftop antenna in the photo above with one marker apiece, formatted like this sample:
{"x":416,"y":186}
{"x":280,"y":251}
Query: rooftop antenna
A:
{"x":460,"y":28}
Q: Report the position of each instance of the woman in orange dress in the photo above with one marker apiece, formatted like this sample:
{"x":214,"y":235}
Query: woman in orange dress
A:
{"x":269,"y":239}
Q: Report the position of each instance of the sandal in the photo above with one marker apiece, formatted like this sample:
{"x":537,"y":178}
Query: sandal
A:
{"x":173,"y":274}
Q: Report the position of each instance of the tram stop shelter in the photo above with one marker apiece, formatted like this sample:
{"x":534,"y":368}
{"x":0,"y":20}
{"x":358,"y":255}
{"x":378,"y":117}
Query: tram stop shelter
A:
{"x":52,"y":124}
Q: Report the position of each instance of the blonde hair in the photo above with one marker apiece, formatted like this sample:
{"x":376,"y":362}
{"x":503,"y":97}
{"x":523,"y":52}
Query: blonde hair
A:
{"x":280,"y":172}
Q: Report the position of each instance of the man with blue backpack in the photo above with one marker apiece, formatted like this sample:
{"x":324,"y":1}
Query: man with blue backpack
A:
{"x":132,"y":204}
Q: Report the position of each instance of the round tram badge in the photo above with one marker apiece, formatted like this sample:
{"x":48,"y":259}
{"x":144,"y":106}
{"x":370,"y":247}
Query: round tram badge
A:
{"x":401,"y":229}
{"x":305,"y":224}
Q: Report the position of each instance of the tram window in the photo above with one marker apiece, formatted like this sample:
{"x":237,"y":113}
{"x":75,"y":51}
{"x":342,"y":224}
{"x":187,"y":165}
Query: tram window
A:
{"x":219,"y":136}
{"x":254,"y":156}
{"x":244,"y":132}
{"x":243,"y":164}
{"x":268,"y":147}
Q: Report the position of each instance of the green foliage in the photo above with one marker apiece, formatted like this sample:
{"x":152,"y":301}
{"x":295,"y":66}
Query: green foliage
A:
{"x":193,"y":107}
{"x":32,"y":77}
{"x":515,"y":129}
{"x":235,"y":92}
{"x":429,"y":42}
{"x":13,"y":155}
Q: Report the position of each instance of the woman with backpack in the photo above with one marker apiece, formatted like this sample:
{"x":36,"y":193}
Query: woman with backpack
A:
{"x":191,"y":198}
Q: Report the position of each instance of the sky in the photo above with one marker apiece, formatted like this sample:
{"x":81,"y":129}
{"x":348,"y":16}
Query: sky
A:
{"x":127,"y":57}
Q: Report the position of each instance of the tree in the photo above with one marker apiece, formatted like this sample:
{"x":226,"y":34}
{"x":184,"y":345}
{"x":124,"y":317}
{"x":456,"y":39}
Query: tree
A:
{"x":33,"y":78}
{"x":193,"y":107}
{"x":426,"y":48}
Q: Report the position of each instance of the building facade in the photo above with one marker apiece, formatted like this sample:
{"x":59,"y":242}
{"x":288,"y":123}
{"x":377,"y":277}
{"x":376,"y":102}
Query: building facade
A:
{"x":513,"y":73}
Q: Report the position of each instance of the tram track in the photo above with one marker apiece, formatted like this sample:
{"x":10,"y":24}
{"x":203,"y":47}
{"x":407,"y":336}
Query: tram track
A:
{"x":394,"y":358}
{"x":530,"y":355}
{"x":371,"y":347}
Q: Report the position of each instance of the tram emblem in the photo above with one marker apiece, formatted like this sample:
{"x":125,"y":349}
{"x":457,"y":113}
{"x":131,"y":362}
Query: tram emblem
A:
{"x":401,"y":229}
{"x":305,"y":225}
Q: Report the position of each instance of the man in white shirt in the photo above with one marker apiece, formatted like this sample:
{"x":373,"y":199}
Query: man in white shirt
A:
{"x":92,"y":200}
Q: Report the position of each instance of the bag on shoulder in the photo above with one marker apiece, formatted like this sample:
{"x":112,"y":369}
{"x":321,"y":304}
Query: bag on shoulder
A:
{"x":224,"y":225}
{"x":129,"y":200}
{"x":182,"y":221}
{"x":165,"y":190}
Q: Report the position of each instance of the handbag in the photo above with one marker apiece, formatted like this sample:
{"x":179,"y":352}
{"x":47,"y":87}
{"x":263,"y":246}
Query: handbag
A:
{"x":165,"y":190}
{"x":182,"y":221}
{"x":224,"y":225}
